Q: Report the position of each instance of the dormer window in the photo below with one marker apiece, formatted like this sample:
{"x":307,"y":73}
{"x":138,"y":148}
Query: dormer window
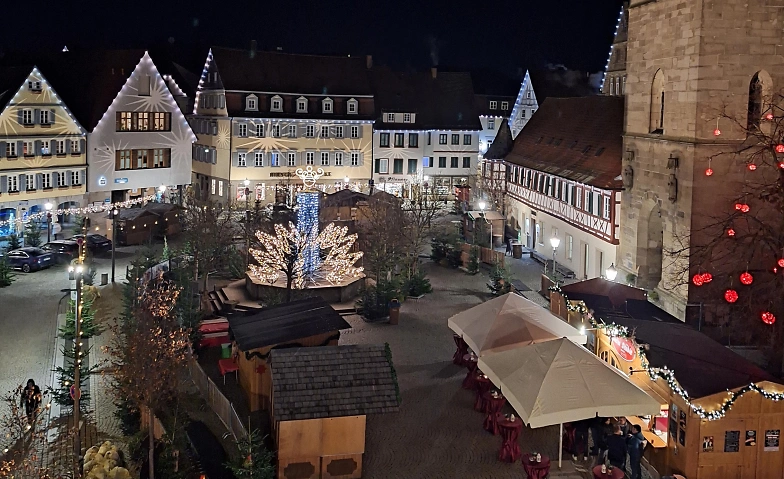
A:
{"x":352,"y":106}
{"x":302,"y":105}
{"x":326,"y":105}
{"x":493,"y":105}
{"x":34,"y":85}
{"x":406,"y":117}
{"x":389,"y":118}
{"x":276,"y":104}
{"x":504,"y":105}
{"x":252,"y":103}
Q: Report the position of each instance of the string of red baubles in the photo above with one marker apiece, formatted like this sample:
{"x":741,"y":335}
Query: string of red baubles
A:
{"x":751,"y":166}
{"x":731,"y":295}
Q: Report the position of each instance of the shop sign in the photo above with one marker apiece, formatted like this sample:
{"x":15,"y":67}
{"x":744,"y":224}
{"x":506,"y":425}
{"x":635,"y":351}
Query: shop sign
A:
{"x":625,"y":348}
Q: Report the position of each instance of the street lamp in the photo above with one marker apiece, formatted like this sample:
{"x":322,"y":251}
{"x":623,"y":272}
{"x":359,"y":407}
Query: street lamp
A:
{"x":162,"y":191}
{"x":611,"y":272}
{"x":115,"y":212}
{"x":48,"y":207}
{"x":345,"y":182}
{"x":554,"y":242}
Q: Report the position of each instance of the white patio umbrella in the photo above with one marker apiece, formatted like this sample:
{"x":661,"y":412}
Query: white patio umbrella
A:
{"x":558,"y":381}
{"x":508,"y":322}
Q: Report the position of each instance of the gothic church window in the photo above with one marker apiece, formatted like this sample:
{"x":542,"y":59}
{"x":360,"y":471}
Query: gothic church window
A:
{"x":657,"y":103}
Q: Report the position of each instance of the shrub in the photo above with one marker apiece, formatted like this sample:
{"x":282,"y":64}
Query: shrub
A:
{"x":417,"y":285}
{"x":374,"y":300}
{"x":500,"y":280}
{"x":32,"y":234}
{"x":473,"y":260}
{"x":13,"y":242}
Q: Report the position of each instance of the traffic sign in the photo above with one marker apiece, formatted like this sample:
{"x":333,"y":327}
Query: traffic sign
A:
{"x":75,"y":392}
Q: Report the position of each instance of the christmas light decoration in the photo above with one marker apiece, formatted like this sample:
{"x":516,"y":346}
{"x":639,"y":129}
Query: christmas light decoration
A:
{"x":780,"y":262}
{"x":730,"y":295}
{"x":697,"y":280}
{"x":744,"y":208}
{"x":716,"y":132}
{"x":746,"y":278}
{"x":752,"y":167}
{"x":779,"y":148}
{"x":769,"y":116}
{"x":307,"y":224}
{"x":768,"y":317}
{"x":707,"y":278}
{"x":79,"y":211}
{"x":730,"y":232}
{"x":709,"y":172}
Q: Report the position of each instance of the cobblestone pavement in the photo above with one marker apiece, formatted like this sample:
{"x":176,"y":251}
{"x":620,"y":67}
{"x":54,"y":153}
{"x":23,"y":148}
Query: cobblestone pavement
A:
{"x":436,"y":433}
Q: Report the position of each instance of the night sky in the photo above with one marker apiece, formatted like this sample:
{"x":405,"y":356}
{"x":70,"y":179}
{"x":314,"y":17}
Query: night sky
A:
{"x":471,"y":34}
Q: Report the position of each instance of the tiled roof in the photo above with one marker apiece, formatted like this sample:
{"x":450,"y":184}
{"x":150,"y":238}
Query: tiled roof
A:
{"x":560,"y":83}
{"x":445,"y":102}
{"x":332,"y":381}
{"x":574,"y":138}
{"x":502,"y":144}
{"x":286,"y":322}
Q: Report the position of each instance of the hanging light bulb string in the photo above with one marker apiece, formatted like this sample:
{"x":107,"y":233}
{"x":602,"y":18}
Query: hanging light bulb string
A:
{"x":79,"y":211}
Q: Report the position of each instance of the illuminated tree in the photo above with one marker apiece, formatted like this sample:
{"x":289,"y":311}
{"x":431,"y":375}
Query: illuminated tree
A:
{"x":20,"y":439}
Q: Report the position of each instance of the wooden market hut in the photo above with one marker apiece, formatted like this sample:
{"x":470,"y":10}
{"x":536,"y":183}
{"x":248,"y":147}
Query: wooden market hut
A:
{"x":306,"y":322}
{"x":134,"y":225}
{"x":320,"y":400}
{"x":168,"y":218}
{"x":743,"y":443}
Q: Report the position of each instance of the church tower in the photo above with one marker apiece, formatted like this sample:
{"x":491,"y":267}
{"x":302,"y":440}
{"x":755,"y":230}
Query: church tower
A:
{"x":688,"y":63}
{"x":614,"y":80}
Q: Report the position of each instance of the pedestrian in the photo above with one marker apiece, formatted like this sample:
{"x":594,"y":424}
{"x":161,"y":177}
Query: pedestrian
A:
{"x":508,"y":247}
{"x":617,"y":449}
{"x":603,"y":428}
{"x":636,"y":445}
{"x":580,"y":444}
{"x":31,"y":400}
{"x":624,"y":424}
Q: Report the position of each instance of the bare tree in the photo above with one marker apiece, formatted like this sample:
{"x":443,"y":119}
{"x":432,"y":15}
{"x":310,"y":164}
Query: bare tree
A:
{"x":419,"y":212}
{"x":490,"y":184}
{"x":22,"y":437}
{"x":380,"y":235}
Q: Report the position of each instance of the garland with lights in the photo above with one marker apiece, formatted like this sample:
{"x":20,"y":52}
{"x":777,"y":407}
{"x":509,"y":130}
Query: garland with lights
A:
{"x":79,"y":211}
{"x":668,"y":375}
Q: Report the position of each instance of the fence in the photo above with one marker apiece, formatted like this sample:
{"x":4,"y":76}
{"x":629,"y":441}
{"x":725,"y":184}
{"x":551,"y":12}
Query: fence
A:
{"x":486,"y":255}
{"x":221,"y":406}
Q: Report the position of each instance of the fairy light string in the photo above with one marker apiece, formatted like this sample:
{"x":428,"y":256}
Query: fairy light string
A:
{"x":668,"y":375}
{"x":79,"y":211}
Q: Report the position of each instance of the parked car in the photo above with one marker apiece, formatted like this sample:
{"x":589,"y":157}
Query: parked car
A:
{"x":96,"y":243}
{"x":29,"y":259}
{"x":64,"y":251}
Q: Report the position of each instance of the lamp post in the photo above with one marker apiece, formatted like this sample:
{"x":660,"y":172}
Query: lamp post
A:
{"x":554,"y":242}
{"x":611,"y":272}
{"x":75,"y":391}
{"x":162,"y":191}
{"x":247,"y":223}
{"x":482,"y":206}
{"x":48,"y":207}
{"x":115,"y":212}
{"x":345,"y":182}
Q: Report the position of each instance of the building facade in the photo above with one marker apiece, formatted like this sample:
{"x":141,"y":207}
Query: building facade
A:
{"x":42,"y":150}
{"x":261,"y":116}
{"x":614,"y":78}
{"x":525,"y":105}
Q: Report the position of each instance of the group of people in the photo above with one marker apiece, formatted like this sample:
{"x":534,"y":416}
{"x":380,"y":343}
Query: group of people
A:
{"x":612,"y":440}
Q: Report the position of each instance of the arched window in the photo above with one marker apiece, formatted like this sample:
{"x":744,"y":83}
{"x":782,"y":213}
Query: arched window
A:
{"x":755,"y":102}
{"x":657,"y":103}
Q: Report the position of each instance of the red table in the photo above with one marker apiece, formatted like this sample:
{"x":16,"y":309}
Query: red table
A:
{"x":510,"y":431}
{"x":536,"y":470}
{"x":462,"y":350}
{"x":493,"y":404}
{"x":483,"y":385}
{"x":617,"y":473}
{"x":227,"y":366}
{"x":470,"y":380}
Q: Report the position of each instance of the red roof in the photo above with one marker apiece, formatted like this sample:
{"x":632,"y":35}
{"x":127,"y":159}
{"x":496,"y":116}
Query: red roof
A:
{"x":575,"y":138}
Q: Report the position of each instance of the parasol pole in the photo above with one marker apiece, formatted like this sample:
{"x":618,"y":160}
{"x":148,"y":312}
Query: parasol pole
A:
{"x":560,"y":444}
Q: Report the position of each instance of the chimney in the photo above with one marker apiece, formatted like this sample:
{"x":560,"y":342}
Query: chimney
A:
{"x":369,"y":61}
{"x":253,"y":47}
{"x":434,"y":72}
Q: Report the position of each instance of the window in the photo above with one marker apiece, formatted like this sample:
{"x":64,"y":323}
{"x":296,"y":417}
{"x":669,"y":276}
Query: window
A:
{"x":212,"y":187}
{"x":522,"y":113}
{"x":442,"y":139}
{"x":354,"y":132}
{"x":160,"y":121}
{"x":354,"y":158}
{"x":28,"y":148}
{"x":442,"y":161}
{"x":466,"y":162}
{"x":383,"y":140}
{"x":45,"y":120}
{"x":242,"y":130}
{"x":493,"y":105}
{"x":144,"y":85}
{"x":258,"y":158}
{"x":756,"y":92}
{"x":504,"y":105}
{"x":338,"y":158}
{"x":141,"y":158}
{"x":326,"y":105}
{"x":413,"y":140}
{"x":569,"y":246}
{"x":292,"y":159}
{"x":274,"y":159}
{"x":406,"y":117}
{"x":427,"y":162}
{"x":466,"y":139}
{"x":528,"y":94}
{"x":276,"y":104}
{"x":453,"y":162}
{"x":123,"y":160}
{"x":325,"y":132}
{"x":160,"y":157}
{"x":382,"y":165}
{"x":292,"y":131}
{"x":302,"y":105}
{"x":429,"y":137}
{"x":657,"y":103}
{"x":491,"y":123}
{"x":220,"y":187}
{"x":142,"y":121}
{"x":397,"y":167}
{"x":389,"y":118}
{"x":309,"y":158}
{"x":310,"y":131}
{"x":338,"y":132}
{"x":27,"y":116}
{"x":352,"y":106}
{"x":606,"y":208}
{"x":76,"y":178}
{"x":75,"y":147}
{"x":61,"y":179}
{"x":34,"y":85}
{"x":45,"y":150}
{"x":251,"y":103}
{"x":399,"y":140}
{"x":30,"y":182}
{"x":324,"y":158}
{"x":412,"y":166}
{"x":276,"y":130}
{"x":260,"y":130}
{"x":455,"y":139}
{"x":578,"y":198}
{"x":60,"y":147}
{"x":13,"y":184}
{"x":588,"y":202}
{"x":125,"y":121}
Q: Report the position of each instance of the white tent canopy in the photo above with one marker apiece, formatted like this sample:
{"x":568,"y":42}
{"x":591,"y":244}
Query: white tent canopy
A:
{"x":557,"y":381}
{"x":507,"y":322}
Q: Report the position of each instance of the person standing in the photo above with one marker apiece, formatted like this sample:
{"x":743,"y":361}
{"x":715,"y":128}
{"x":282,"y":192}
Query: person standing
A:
{"x":617,"y":449}
{"x":508,"y":247}
{"x":580,"y":444}
{"x":624,"y":424}
{"x":636,"y":445}
{"x":31,"y":400}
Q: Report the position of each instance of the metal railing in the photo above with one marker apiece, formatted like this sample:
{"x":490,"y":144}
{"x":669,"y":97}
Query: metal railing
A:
{"x":221,"y":406}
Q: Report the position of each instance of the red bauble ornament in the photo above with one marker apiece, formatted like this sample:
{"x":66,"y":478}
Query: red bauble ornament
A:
{"x":730,"y":232}
{"x":716,"y":132}
{"x":730,"y":295}
{"x":707,"y":278}
{"x":709,"y":172}
{"x":781,"y":165}
{"x":697,"y":280}
{"x":738,"y":206}
{"x":779,"y":148}
{"x":752,"y":167}
{"x":746,"y":278}
{"x":744,"y":208}
{"x":769,"y":116}
{"x":781,"y":262}
{"x":768,"y":317}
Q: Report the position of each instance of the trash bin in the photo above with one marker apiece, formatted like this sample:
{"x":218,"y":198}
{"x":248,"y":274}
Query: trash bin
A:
{"x":517,"y":250}
{"x":225,"y":350}
{"x":394,"y":311}
{"x":104,"y":279}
